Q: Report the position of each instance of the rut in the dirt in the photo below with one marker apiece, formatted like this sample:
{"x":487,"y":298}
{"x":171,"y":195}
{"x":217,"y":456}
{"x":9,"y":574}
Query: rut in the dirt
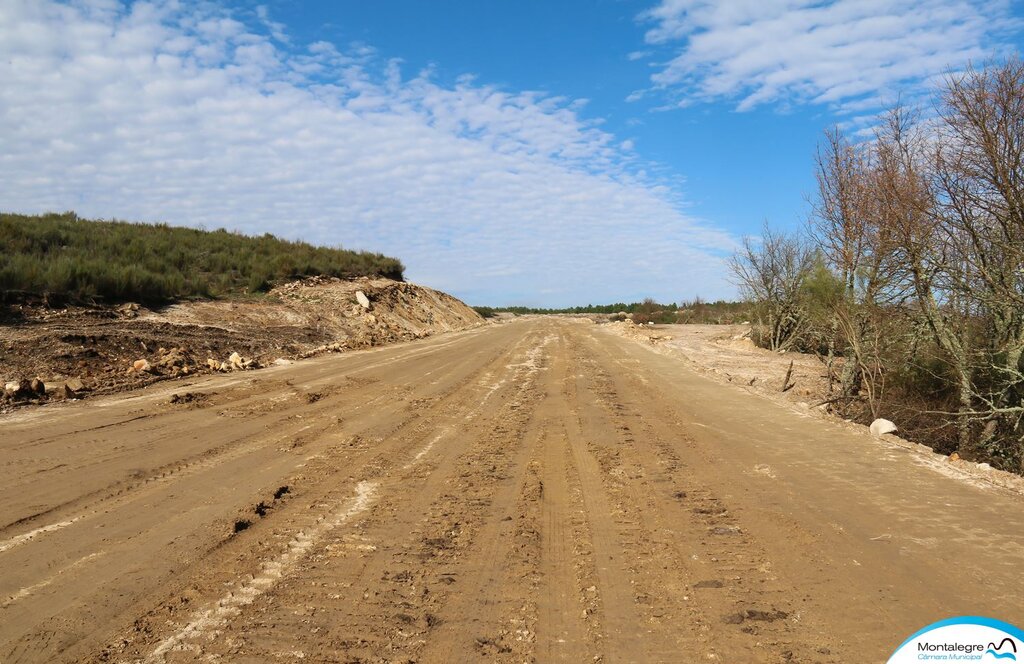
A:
{"x":536,"y":491}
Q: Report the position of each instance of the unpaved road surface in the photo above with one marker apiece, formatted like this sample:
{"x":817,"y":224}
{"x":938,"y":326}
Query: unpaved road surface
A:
{"x":541,"y":490}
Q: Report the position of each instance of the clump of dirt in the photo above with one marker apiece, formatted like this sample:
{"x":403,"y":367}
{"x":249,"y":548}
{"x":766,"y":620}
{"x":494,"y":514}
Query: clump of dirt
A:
{"x":115,"y":348}
{"x":190,"y":398}
{"x":710,"y":583}
{"x":755,"y":614}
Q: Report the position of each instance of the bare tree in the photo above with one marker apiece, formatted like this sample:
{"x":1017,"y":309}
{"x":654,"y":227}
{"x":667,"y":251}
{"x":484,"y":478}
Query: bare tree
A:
{"x":952,"y":197}
{"x":979,"y":177}
{"x":918,"y":259}
{"x":850,"y":224}
{"x":772,"y":273}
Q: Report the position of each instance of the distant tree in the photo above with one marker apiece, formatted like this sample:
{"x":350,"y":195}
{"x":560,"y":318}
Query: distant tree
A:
{"x":771,"y":274}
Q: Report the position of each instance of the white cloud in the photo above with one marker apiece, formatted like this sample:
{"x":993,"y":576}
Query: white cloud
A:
{"x":836,"y":52}
{"x":154,"y":111}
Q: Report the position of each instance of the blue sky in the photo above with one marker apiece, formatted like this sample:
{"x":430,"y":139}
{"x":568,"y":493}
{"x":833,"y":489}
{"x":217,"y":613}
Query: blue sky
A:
{"x":542,"y":153}
{"x":741,"y":167}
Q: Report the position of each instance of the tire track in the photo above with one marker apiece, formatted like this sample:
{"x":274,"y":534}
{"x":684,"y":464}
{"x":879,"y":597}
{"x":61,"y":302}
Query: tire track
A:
{"x":317,"y":459}
{"x":394,"y":471}
{"x":731,"y":590}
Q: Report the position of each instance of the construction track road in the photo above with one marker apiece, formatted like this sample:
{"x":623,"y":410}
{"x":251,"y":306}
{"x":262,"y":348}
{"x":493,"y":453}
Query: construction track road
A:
{"x":540,"y":490}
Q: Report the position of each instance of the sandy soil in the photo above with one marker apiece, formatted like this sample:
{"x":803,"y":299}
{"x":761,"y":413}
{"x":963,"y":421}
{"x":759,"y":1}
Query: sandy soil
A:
{"x":726,"y":354}
{"x":541,"y":490}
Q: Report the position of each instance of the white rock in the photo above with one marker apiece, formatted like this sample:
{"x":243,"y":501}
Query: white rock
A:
{"x":363,"y":301}
{"x":282,"y":362}
{"x":236,"y":361}
{"x":881,"y":427}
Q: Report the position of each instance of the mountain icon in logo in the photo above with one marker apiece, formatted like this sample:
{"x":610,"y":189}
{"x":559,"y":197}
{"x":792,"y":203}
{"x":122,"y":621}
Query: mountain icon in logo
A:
{"x":1007,"y":649}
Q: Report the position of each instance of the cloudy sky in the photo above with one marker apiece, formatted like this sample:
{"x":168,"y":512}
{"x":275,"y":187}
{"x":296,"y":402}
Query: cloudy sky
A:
{"x":509,"y":152}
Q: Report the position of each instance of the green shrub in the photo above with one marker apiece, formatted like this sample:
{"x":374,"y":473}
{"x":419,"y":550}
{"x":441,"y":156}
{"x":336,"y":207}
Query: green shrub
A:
{"x":115,"y":261}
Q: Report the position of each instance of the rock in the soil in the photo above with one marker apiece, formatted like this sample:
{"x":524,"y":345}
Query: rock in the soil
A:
{"x":363,"y":301}
{"x":171,"y":359}
{"x":213,"y":364}
{"x":281,"y":362}
{"x":19,"y":389}
{"x":881,"y":427}
{"x":236,"y":361}
{"x":129,"y":309}
{"x":72,"y":388}
{"x":24,"y":389}
{"x":141,"y":366}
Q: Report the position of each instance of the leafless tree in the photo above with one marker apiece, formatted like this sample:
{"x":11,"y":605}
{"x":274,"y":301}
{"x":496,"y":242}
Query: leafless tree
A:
{"x":771,"y":273}
{"x":918,"y":257}
{"x":850,"y":225}
{"x":951,"y":197}
{"x":979,"y":177}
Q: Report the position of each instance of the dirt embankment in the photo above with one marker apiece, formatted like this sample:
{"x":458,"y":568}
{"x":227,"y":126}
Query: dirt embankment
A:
{"x":77,"y":351}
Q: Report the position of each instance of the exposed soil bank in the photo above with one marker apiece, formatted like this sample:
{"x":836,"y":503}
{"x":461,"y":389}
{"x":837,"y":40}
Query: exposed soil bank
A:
{"x":99,"y":346}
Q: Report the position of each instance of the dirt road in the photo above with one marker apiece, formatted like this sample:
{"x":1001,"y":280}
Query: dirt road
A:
{"x":540,"y":490}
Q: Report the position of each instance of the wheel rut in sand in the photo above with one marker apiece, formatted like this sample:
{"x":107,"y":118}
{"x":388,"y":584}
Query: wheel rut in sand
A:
{"x":537,"y":491}
{"x":691,"y":562}
{"x":316,"y":457}
{"x":366,"y":577}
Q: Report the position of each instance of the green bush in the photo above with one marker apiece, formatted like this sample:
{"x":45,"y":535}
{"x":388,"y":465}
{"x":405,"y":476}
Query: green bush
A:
{"x":115,"y":261}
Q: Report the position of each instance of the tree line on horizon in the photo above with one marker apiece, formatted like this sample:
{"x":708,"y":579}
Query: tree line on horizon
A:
{"x":63,"y":257}
{"x":648,"y":310}
{"x":908,"y":280}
